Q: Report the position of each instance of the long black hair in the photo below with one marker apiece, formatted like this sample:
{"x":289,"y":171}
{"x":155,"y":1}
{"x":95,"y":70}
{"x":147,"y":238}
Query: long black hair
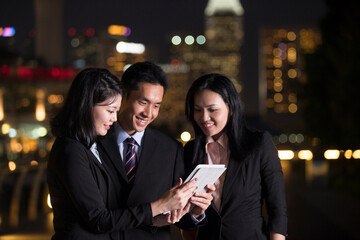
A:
{"x":90,"y":87}
{"x":235,"y":127}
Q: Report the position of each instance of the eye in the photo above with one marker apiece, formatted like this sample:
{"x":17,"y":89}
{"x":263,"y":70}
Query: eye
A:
{"x":111,"y":112}
{"x":157,"y":106}
{"x":142,"y":102}
{"x":212,"y":110}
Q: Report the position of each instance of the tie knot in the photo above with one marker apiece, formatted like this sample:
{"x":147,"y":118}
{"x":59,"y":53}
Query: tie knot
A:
{"x":130,"y":140}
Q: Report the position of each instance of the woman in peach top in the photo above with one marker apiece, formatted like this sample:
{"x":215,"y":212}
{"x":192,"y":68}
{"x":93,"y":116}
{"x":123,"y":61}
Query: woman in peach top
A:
{"x":254,"y":174}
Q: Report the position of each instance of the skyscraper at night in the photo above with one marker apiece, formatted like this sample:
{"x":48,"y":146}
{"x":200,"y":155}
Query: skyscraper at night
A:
{"x":281,"y":71}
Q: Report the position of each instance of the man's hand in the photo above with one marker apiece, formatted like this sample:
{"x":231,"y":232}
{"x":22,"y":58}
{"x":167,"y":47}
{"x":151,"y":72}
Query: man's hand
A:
{"x":174,"y":199}
{"x":171,"y":217}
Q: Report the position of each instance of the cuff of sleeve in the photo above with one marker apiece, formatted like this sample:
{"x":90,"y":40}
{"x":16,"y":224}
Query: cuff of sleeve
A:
{"x":199,"y":219}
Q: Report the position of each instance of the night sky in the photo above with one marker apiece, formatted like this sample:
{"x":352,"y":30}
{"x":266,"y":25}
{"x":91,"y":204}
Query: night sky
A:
{"x":152,"y":22}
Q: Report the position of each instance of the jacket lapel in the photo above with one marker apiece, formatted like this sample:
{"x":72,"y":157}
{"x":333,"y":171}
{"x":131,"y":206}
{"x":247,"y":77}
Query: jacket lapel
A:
{"x":145,"y":162}
{"x":113,"y":157}
{"x":233,"y":172}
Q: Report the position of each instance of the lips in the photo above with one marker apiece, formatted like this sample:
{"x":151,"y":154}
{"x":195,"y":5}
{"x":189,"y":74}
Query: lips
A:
{"x":208,"y":126}
{"x":141,"y":122}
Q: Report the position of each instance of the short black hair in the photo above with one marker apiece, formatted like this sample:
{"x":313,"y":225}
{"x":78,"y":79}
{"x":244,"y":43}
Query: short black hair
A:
{"x":143,"y":72}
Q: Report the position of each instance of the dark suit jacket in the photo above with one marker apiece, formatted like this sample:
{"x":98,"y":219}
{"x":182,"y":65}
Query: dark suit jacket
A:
{"x":159,"y":168}
{"x":84,"y":197}
{"x":256,"y":177}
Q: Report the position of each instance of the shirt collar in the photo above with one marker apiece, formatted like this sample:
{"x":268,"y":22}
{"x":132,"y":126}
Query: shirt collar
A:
{"x":122,"y":135}
{"x":223,"y":140}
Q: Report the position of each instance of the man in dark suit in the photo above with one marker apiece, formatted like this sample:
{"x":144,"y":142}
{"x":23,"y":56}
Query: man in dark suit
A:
{"x":150,"y":163}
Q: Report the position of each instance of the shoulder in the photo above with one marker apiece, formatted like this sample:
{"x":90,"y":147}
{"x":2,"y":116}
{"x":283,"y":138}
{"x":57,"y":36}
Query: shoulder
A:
{"x":189,"y":146}
{"x":67,"y":149}
{"x":257,"y":139}
{"x":157,"y":135}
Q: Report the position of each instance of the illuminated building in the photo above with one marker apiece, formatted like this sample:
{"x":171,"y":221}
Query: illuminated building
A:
{"x":281,"y":71}
{"x":109,"y":49}
{"x":28,"y":97}
{"x":224,"y":38}
{"x":172,"y":112}
{"x":219,"y":49}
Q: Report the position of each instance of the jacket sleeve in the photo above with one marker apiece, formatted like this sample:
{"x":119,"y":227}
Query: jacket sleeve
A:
{"x":70,"y":165}
{"x":273,"y":186}
{"x":186,"y":221}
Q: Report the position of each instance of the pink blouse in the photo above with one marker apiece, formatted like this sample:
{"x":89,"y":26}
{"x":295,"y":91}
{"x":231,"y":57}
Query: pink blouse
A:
{"x":218,"y":152}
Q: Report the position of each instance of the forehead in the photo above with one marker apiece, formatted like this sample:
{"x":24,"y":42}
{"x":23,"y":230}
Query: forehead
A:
{"x":153,"y":92}
{"x":207,"y":97}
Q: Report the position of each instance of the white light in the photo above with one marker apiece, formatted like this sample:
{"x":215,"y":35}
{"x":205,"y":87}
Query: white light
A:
{"x":12,"y":133}
{"x":49,"y":201}
{"x":200,"y":39}
{"x":185,"y":136}
{"x":286,"y":154}
{"x":332,"y":154}
{"x":176,"y":40}
{"x":305,"y":155}
{"x":189,"y":40}
{"x":126,"y":47}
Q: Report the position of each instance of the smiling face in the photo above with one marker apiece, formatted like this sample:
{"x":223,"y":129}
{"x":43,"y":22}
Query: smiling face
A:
{"x":141,"y":107}
{"x":211,"y":113}
{"x":105,"y":114}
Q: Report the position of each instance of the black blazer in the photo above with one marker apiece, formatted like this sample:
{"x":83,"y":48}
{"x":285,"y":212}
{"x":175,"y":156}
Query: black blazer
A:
{"x":159,"y":168}
{"x":250,"y":180}
{"x":84,"y":197}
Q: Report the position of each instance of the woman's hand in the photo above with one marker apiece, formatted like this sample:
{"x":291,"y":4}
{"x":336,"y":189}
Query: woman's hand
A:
{"x":202,"y":201}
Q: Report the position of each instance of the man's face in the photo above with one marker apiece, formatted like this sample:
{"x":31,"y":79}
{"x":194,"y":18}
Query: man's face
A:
{"x":140,"y":107}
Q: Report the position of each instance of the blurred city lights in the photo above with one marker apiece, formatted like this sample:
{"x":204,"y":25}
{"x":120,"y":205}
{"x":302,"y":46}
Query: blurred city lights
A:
{"x":40,"y":113}
{"x":292,"y":73}
{"x":185,"y":136}
{"x":7,"y":31}
{"x":189,"y":40}
{"x":12,"y":166}
{"x":1,"y":105}
{"x":75,"y":42}
{"x":200,"y":39}
{"x":119,"y":30}
{"x":176,"y":40}
{"x":128,"y":47}
{"x":305,"y":155}
{"x":286,"y":154}
{"x":34,"y":163}
{"x":12,"y":132}
{"x":292,"y":108}
{"x":332,"y":154}
{"x":291,"y":36}
{"x":71,"y":32}
{"x":348,"y":154}
{"x":356,"y":154}
{"x":49,"y":201}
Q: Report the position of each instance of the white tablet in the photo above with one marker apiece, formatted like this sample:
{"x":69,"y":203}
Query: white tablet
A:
{"x":206,"y":174}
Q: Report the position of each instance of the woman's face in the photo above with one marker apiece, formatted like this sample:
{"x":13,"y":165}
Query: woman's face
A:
{"x":105,"y":114}
{"x":211,"y":113}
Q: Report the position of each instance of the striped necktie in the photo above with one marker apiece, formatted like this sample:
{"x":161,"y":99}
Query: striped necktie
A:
{"x":130,"y":159}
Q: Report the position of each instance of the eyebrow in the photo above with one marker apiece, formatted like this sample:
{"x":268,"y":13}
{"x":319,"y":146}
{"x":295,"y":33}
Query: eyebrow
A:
{"x":207,"y":106}
{"x":147,"y":100}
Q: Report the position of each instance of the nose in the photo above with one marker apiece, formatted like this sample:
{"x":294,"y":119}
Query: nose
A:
{"x":205,"y":116}
{"x":147,"y":111}
{"x":114,"y":118}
